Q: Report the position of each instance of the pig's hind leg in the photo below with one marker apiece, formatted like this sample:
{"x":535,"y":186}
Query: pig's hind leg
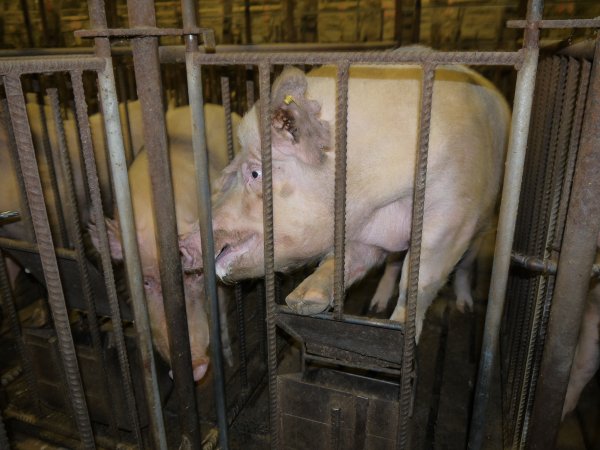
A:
{"x":315,"y":294}
{"x":463,"y":278}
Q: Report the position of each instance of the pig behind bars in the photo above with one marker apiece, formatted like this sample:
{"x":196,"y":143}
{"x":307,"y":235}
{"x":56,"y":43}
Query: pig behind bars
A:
{"x":469,"y":124}
{"x":186,"y":204}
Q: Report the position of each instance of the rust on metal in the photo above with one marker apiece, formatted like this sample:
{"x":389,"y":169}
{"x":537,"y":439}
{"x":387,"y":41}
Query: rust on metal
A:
{"x":555,"y":23}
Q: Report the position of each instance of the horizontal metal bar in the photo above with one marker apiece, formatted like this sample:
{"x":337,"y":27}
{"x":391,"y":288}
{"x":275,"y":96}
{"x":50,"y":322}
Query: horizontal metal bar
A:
{"x":321,"y":359}
{"x":40,"y":64}
{"x":563,"y":23}
{"x":416,"y":56}
{"x":15,"y":244}
{"x":176,"y":53}
{"x":358,"y":320}
{"x":9,"y":216}
{"x":139,"y":32}
{"x":543,"y":266}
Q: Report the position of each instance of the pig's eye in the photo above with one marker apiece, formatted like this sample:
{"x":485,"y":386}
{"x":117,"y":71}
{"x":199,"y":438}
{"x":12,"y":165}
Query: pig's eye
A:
{"x":255,"y":174}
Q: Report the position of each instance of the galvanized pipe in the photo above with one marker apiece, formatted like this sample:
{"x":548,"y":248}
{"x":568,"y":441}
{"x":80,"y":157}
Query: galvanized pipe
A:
{"x":339,"y":243}
{"x":74,"y":231}
{"x":576,"y":258}
{"x":409,"y":375}
{"x":98,"y":217}
{"x":133,"y":268}
{"x":18,"y":114}
{"x":506,"y":226}
{"x":149,"y":89}
{"x":264,"y":73}
{"x":196,"y":99}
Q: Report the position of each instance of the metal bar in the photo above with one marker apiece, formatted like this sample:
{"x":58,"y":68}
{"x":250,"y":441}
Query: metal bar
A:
{"x":412,"y":56}
{"x":264,"y":72}
{"x":149,"y":88}
{"x":120,"y":182}
{"x":51,"y":164}
{"x":9,"y":216}
{"x":506,"y":225}
{"x":129,"y":151}
{"x":8,"y":307}
{"x":19,"y":66}
{"x":330,"y":361}
{"x":195,"y":95}
{"x":18,"y":114}
{"x":74,"y":229}
{"x":142,"y":31}
{"x":335,"y":429}
{"x":553,"y":23}
{"x":534,"y":264}
{"x":226,"y":97}
{"x":98,"y":216}
{"x":339,"y":244}
{"x":409,"y":380}
{"x":576,"y":258}
{"x":27,"y":21}
{"x":249,"y":87}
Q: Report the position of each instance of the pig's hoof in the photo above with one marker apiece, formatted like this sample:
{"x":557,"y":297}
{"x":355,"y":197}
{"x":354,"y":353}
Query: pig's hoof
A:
{"x":378,"y":303}
{"x":464,"y":304}
{"x":399,"y":314}
{"x":309,"y":303}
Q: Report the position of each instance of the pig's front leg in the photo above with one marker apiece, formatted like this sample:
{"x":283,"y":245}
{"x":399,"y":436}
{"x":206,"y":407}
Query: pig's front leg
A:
{"x":315,"y":294}
{"x":387,"y":284}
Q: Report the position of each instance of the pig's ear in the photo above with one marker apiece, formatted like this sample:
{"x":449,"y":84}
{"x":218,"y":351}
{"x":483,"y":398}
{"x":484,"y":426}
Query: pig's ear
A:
{"x":191,"y":250}
{"x":114,"y":238}
{"x":297,"y":128}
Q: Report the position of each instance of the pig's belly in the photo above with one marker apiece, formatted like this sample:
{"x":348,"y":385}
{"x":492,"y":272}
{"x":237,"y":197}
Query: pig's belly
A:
{"x":388,"y":227}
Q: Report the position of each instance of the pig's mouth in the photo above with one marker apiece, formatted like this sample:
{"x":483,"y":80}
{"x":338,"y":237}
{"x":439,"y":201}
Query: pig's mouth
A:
{"x":230,"y":251}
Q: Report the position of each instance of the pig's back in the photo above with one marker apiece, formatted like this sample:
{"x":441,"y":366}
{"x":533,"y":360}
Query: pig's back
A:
{"x":469,"y":121}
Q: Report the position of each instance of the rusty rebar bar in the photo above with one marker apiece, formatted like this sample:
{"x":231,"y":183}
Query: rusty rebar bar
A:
{"x":339,"y":244}
{"x":409,"y":376}
{"x":269,"y":246}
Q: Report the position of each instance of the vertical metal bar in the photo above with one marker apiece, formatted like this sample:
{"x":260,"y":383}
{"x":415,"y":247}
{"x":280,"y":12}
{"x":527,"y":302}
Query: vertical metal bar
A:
{"x":226,"y":97}
{"x":51,"y":165}
{"x":339,"y":244}
{"x":576,"y":259}
{"x":335,"y":429}
{"x":248,"y":22}
{"x":129,"y":150}
{"x":74,"y":229}
{"x":506,"y":224}
{"x":264,"y":72}
{"x":239,"y":301}
{"x":149,"y":88}
{"x":18,"y":114}
{"x":418,"y":208}
{"x":8,"y":306}
{"x":27,"y":20}
{"x":195,"y":94}
{"x":133,"y":268}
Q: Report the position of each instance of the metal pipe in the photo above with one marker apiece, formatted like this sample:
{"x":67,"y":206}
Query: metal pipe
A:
{"x":50,"y":64}
{"x":269,"y":247}
{"x":339,"y":244}
{"x":149,"y":89}
{"x":56,"y":299}
{"x":133,"y":268}
{"x":98,"y":217}
{"x":506,"y":226}
{"x":576,"y":259}
{"x":409,"y":375}
{"x":195,"y":95}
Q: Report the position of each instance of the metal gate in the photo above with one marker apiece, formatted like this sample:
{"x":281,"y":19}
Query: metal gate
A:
{"x":140,"y":420}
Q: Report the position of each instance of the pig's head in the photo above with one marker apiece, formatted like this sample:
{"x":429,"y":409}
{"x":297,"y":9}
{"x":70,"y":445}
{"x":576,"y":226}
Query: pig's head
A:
{"x":193,"y":289}
{"x":302,"y":187}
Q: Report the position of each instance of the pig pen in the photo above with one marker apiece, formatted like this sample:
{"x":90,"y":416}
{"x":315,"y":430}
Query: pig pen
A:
{"x":335,"y":380}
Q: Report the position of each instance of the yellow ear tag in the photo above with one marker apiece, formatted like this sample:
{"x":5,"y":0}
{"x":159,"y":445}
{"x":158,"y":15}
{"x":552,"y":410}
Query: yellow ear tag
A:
{"x":288,"y":99}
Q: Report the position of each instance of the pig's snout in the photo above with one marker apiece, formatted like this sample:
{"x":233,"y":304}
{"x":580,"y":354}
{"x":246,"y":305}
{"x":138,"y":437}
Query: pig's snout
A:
{"x":200,"y":367}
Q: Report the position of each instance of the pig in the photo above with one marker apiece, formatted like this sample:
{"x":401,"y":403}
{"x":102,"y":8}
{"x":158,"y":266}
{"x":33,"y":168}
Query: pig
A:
{"x":587,"y":353}
{"x":186,"y":203}
{"x":469,"y":124}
